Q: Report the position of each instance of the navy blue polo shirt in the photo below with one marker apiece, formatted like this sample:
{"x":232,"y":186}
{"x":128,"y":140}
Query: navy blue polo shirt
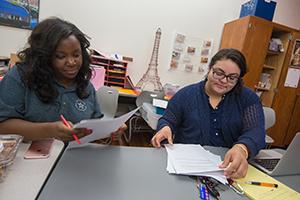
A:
{"x":18,"y":101}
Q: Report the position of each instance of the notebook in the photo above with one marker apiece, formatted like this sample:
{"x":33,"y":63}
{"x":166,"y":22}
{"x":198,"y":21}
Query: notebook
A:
{"x":274,"y":163}
{"x":265,"y":193}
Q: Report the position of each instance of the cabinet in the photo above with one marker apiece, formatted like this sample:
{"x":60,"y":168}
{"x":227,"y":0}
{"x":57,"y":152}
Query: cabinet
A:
{"x":267,"y":69}
{"x":286,"y":103}
{"x":115,"y":74}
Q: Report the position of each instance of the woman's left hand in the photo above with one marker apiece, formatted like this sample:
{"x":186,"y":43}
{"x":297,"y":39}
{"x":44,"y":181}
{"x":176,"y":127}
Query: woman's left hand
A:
{"x":235,"y":163}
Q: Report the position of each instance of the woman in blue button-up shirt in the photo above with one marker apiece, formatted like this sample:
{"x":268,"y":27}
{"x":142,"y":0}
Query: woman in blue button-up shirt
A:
{"x":218,"y":111}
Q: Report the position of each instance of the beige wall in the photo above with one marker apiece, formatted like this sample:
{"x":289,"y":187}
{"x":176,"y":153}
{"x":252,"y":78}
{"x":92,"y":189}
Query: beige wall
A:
{"x":128,"y":27}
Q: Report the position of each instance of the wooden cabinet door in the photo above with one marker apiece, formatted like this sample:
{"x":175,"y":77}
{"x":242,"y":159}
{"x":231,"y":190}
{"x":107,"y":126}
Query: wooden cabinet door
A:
{"x":294,"y":125}
{"x":250,"y":35}
{"x":284,"y":104}
{"x":255,"y":49}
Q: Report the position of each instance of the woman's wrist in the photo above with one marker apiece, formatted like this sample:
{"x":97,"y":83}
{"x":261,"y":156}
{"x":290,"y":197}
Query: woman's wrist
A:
{"x":243,"y":149}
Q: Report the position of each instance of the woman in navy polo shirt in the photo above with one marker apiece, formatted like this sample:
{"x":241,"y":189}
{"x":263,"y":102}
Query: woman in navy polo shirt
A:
{"x":52,"y":78}
{"x":218,"y":111}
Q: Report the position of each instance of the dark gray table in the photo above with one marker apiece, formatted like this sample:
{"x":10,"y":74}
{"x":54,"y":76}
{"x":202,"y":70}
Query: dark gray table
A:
{"x":134,"y":173}
{"x":117,"y":173}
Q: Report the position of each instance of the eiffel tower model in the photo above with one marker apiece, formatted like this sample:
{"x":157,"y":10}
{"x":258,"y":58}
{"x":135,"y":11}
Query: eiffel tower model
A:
{"x":150,"y":80}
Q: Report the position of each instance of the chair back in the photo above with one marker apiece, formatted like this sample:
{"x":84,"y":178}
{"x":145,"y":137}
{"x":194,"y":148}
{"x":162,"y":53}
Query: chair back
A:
{"x":107,"y":98}
{"x":270,"y":117}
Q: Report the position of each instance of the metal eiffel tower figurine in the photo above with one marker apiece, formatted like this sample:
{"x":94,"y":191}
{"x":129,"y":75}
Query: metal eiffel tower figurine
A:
{"x":150,"y":80}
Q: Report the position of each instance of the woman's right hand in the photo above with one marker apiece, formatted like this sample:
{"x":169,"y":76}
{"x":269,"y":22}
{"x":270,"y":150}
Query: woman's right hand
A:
{"x":62,"y":132}
{"x":162,"y":134}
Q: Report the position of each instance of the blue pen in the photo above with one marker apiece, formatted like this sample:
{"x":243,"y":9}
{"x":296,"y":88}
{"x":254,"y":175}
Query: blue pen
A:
{"x":203,"y":192}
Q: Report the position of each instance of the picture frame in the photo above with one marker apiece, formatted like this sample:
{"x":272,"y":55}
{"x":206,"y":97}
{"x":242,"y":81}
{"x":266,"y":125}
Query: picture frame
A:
{"x":20,"y":14}
{"x":295,"y":60}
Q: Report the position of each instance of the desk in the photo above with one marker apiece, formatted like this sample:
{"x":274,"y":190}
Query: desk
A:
{"x":25,"y":177}
{"x":118,"y":173}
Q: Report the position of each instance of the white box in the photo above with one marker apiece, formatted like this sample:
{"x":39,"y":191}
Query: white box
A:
{"x":149,"y":115}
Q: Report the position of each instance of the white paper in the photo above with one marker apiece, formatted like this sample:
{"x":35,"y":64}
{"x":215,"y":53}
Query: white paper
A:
{"x":194,"y":160}
{"x":102,"y":128}
{"x":292,"y":78}
{"x":268,"y":154}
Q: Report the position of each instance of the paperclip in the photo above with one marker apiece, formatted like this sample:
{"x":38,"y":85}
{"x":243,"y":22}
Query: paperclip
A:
{"x":238,"y":189}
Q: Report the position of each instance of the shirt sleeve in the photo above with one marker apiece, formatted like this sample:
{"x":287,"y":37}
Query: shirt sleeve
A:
{"x":253,"y":133}
{"x":12,"y":96}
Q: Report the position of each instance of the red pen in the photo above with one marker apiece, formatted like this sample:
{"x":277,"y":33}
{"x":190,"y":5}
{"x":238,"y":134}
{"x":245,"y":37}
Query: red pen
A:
{"x":69,"y":126}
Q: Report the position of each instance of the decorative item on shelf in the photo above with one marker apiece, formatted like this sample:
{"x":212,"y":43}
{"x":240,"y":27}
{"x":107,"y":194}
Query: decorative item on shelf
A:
{"x":265,"y":81}
{"x":276,"y":45}
{"x":260,"y":8}
{"x":295,"y":61}
{"x":151,"y":78}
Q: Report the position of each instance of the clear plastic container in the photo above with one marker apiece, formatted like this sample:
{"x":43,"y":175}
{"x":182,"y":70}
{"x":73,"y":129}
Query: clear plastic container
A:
{"x":9,"y":144}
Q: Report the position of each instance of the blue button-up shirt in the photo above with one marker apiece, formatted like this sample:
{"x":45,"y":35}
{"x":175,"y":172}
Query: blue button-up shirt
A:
{"x":18,"y":101}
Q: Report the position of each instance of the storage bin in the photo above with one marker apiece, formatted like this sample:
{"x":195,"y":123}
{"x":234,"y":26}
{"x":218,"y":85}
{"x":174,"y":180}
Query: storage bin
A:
{"x":260,"y":8}
{"x":9,"y":144}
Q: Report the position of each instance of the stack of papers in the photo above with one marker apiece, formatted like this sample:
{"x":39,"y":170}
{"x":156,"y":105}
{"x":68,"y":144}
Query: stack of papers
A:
{"x":191,"y":159}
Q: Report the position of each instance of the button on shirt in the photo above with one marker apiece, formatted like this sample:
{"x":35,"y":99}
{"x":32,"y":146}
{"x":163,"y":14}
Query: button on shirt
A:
{"x":18,"y":101}
{"x":215,"y":131}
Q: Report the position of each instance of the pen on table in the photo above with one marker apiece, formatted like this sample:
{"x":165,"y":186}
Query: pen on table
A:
{"x":69,"y":126}
{"x":235,"y":186}
{"x":211,"y":189}
{"x":262,"y":184}
{"x":203,"y":192}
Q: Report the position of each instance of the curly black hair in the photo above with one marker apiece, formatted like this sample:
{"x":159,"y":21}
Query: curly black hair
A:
{"x":36,"y":59}
{"x":235,"y":56}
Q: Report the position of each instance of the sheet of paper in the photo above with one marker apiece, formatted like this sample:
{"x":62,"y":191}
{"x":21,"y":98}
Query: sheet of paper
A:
{"x":292,"y":78}
{"x":265,"y":193}
{"x":102,"y":128}
{"x":194,"y":160}
{"x":268,"y":154}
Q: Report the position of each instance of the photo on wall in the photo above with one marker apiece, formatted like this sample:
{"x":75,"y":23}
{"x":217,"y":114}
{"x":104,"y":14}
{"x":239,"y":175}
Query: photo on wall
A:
{"x":19,"y":13}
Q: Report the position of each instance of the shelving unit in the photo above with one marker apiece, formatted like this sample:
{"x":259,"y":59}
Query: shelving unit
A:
{"x":116,"y":70}
{"x":274,"y":61}
{"x":252,"y":36}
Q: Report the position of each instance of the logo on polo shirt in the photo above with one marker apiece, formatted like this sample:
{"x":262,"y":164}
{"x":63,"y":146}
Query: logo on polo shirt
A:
{"x":80,"y":105}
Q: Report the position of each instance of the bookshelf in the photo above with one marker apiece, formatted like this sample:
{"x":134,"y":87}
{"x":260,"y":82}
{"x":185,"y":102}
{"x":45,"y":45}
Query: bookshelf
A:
{"x":116,"y":70}
{"x":267,"y":69}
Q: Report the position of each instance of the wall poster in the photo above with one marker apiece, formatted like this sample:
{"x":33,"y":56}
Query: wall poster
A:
{"x":19,"y":13}
{"x":190,"y":54}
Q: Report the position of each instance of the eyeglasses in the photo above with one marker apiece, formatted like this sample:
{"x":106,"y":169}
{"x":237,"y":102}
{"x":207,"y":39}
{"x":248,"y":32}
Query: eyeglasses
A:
{"x":231,"y":78}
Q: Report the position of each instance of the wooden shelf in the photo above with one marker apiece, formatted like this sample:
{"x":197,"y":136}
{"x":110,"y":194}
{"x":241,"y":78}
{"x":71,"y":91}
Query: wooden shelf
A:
{"x":270,"y":52}
{"x":115,"y":74}
{"x":269,"y":67}
{"x":261,"y":88}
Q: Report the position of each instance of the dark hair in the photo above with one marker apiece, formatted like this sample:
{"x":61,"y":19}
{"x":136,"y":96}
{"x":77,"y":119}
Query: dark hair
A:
{"x":36,"y":59}
{"x":237,"y":57}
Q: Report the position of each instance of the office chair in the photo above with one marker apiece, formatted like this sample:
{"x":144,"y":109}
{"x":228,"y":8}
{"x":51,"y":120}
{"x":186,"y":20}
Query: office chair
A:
{"x":270,"y":118}
{"x":145,"y":97}
{"x":107,"y":98}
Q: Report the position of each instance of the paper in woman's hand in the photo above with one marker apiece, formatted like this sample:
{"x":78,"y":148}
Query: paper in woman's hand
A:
{"x":102,"y":128}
